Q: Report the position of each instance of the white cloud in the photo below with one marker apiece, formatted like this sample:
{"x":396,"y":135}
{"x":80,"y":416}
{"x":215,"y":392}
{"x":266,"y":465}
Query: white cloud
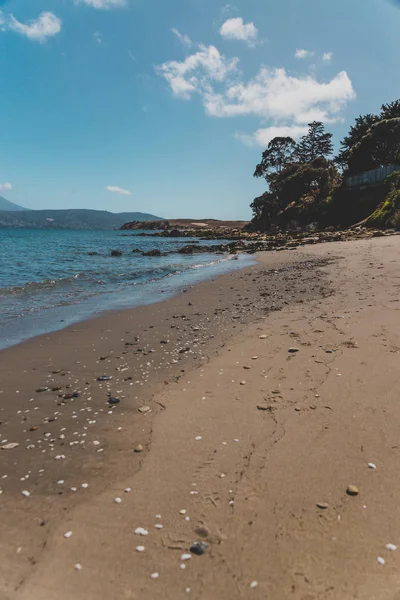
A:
{"x":301,"y":53}
{"x":104,"y":4}
{"x":263,"y":136}
{"x":273,"y":94}
{"x":98,"y":37}
{"x":5,"y":186}
{"x":118,"y":190}
{"x":46,"y":25}
{"x":327,"y":56}
{"x":182,"y":37}
{"x":281,"y":101}
{"x":197,"y":72}
{"x":2,"y":21}
{"x":236,"y":29}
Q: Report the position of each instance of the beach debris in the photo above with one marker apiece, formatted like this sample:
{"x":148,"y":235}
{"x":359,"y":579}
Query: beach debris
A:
{"x":140,"y":548}
{"x":25,"y":493}
{"x":78,"y":567}
{"x":372,"y":465}
{"x":144,"y":409}
{"x":138,"y":448}
{"x":141,"y":531}
{"x":253,"y":584}
{"x":381,"y":560}
{"x":104,"y":378}
{"x":352,"y":490}
{"x":198,"y":548}
{"x":155,"y":575}
{"x":113,"y":400}
{"x":68,"y":534}
{"x":293,"y":350}
{"x":117,"y":500}
{"x":10,"y":446}
{"x":391,"y":547}
{"x":322,"y":505}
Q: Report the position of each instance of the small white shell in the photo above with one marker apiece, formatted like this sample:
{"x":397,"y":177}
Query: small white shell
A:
{"x":381,"y":560}
{"x":391,"y":547}
{"x":182,"y":511}
{"x":155,"y":575}
{"x":372,"y":465}
{"x":141,"y":531}
{"x":25,"y":493}
{"x":68,"y":534}
{"x":254,"y":584}
{"x":117,"y":500}
{"x":186,"y":556}
{"x":198,"y":438}
{"x":78,"y":567}
{"x":140,"y":548}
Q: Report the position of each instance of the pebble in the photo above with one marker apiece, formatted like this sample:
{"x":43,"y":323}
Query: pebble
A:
{"x":322,"y":505}
{"x":186,"y":556}
{"x":391,"y":547}
{"x":202,"y":531}
{"x":381,"y":560}
{"x":372,"y":465}
{"x":42,"y":389}
{"x":104,"y":378}
{"x":352,"y":490}
{"x":158,"y":526}
{"x":243,"y":383}
{"x":293,"y":350}
{"x":182,"y":512}
{"x":198,"y":548}
{"x":127,"y":490}
{"x":254,"y":584}
{"x":140,"y":548}
{"x":144,"y":409}
{"x":117,"y":500}
{"x":68,"y":534}
{"x":138,"y":448}
{"x":198,"y":438}
{"x":25,"y":493}
{"x":85,"y":485}
{"x":10,"y":446}
{"x":155,"y":575}
{"x":263,"y":336}
{"x":141,"y":531}
{"x":113,"y":400}
{"x":78,"y":567}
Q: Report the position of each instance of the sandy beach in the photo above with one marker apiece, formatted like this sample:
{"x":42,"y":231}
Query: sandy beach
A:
{"x":235,"y":415}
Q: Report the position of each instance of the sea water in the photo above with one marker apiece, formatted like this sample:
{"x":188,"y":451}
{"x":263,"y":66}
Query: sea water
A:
{"x":51,"y":278}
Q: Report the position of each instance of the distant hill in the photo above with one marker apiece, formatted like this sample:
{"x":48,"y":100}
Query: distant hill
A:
{"x":7,"y":205}
{"x":70,"y":218}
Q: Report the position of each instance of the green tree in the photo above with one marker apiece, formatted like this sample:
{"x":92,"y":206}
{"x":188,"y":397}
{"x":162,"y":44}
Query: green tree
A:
{"x":379,"y":147}
{"x":278,"y":154}
{"x":317,"y":142}
{"x":362,"y":125}
{"x":390,"y":111}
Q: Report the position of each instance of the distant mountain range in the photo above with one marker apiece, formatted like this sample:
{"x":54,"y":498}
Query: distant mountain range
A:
{"x":7,"y":205}
{"x":12,"y":215}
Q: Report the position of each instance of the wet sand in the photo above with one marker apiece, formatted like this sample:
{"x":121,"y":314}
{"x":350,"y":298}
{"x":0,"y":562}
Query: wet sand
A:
{"x":237,"y":435}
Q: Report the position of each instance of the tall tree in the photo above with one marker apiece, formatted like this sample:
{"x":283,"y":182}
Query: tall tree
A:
{"x":278,"y":155}
{"x":379,"y":147}
{"x":362,"y":125}
{"x":390,"y":111}
{"x":316,"y":143}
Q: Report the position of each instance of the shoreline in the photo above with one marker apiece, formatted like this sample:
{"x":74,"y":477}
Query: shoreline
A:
{"x":211,"y":363}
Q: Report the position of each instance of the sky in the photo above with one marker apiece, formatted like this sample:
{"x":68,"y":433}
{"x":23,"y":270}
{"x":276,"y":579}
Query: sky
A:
{"x":165,"y":106}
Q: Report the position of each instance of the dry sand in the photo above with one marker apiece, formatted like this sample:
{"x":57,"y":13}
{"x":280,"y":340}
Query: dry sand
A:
{"x":243,"y":438}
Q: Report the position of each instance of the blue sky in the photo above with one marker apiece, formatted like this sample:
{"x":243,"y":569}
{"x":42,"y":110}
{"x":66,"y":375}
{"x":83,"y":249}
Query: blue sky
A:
{"x":173,"y":101}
